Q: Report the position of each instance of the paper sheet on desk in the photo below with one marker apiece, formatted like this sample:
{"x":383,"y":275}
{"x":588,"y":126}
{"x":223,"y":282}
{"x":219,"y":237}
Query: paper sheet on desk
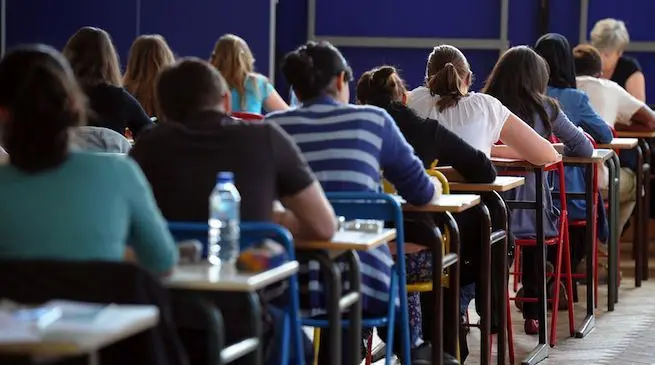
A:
{"x":15,"y":331}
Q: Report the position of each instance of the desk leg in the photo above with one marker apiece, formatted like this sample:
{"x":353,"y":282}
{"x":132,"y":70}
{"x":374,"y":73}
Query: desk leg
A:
{"x":639,"y":217}
{"x":355,"y":314}
{"x":437,"y":294}
{"x":332,"y":282}
{"x":500,"y":268}
{"x":588,"y":323}
{"x":615,"y":232}
{"x":452,"y":321}
{"x":540,"y":353}
{"x":485,"y":320}
{"x":645,"y":208}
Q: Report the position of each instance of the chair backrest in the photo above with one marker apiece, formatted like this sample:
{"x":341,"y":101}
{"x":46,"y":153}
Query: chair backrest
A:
{"x":38,"y":281}
{"x":388,"y":188}
{"x":248,"y":116}
{"x":251,"y":233}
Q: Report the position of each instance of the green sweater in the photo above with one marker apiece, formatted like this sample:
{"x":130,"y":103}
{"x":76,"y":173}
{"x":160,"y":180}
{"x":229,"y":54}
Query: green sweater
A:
{"x":89,"y":208}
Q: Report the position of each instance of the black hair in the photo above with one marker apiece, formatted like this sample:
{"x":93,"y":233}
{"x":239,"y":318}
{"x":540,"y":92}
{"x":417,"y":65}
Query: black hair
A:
{"x":555,"y":49}
{"x":587,"y":60}
{"x":519,"y":81}
{"x":189,"y":86}
{"x":311,"y":68}
{"x":42,"y":97}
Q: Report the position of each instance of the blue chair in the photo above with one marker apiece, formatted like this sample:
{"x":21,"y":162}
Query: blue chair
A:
{"x":252,"y":233}
{"x":377,"y":206}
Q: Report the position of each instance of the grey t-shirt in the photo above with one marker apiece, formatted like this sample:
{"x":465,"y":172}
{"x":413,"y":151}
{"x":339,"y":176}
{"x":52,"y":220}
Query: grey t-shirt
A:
{"x":100,"y":140}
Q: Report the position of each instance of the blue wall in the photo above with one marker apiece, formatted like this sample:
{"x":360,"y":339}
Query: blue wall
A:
{"x":192,"y":26}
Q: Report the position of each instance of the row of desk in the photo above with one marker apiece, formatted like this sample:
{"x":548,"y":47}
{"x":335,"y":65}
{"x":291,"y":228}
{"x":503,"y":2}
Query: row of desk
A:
{"x":208,"y":278}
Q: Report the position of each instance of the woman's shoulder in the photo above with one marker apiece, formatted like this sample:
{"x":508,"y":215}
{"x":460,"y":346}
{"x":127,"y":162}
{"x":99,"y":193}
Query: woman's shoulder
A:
{"x":628,"y":64}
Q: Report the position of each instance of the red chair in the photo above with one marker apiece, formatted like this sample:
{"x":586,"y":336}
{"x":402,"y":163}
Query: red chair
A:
{"x":563,"y":251}
{"x":248,"y":116}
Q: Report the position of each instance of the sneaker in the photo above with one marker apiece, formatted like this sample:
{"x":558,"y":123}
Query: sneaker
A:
{"x":531,"y":327}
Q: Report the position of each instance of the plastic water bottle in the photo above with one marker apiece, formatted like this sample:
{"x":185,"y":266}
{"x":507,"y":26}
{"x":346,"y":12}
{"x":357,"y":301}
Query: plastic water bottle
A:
{"x":224,"y":207}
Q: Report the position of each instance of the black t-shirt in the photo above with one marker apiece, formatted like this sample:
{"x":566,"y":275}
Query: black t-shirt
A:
{"x":114,"y":108}
{"x":181,"y":162}
{"x":625,"y":67}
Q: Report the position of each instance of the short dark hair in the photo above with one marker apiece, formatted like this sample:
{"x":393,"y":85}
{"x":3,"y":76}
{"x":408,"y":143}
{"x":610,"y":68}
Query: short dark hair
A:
{"x":587,"y":60}
{"x":312,"y":67}
{"x":188,"y":87}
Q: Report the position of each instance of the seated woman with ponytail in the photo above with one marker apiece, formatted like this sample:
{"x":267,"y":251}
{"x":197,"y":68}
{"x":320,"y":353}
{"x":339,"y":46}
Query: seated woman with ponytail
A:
{"x":60,"y":204}
{"x":479,"y":119}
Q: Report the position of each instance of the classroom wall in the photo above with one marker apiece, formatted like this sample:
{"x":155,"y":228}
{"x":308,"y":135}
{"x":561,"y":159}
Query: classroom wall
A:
{"x":192,"y":26}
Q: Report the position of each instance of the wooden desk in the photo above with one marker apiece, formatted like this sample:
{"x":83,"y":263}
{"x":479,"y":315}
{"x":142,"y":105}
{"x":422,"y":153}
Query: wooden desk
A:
{"x":206,"y":277}
{"x":510,"y":162}
{"x":599,"y":156}
{"x":501,"y":184}
{"x":634,"y":134}
{"x":448,"y":203}
{"x":65,"y":338}
{"x":620,"y":144}
{"x":350,"y":240}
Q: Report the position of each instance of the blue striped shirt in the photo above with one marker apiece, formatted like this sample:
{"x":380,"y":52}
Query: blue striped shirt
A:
{"x":346,"y":146}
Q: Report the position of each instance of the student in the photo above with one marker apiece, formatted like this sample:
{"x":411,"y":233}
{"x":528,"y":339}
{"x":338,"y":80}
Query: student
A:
{"x":562,"y":86}
{"x":346,"y":147}
{"x":251,"y":92}
{"x":611,"y":37}
{"x":519,"y":81}
{"x":384,"y":88}
{"x":149,"y":54}
{"x":479,"y":119}
{"x":93,"y":58}
{"x":99,"y":139}
{"x":64,"y":205}
{"x":620,"y":110}
{"x":198,"y":138}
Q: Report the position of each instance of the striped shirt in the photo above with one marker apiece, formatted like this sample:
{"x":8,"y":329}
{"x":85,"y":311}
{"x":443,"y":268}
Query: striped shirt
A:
{"x":346,"y":146}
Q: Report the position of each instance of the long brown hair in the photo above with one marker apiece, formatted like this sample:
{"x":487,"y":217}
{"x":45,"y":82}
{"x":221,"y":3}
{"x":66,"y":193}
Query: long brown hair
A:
{"x":233,"y":58}
{"x":148,"y":55}
{"x":93,"y":57}
{"x":519,"y":80}
{"x":40,"y":93}
{"x":446,"y":70}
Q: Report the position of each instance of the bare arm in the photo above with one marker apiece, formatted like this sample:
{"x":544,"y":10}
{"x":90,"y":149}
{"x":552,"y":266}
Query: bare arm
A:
{"x":308,"y":214}
{"x":643,"y":118}
{"x":636,"y":86}
{"x":527,"y":143}
{"x":274,"y":102}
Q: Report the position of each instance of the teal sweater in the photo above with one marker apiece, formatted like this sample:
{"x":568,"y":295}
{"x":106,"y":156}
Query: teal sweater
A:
{"x":89,"y":208}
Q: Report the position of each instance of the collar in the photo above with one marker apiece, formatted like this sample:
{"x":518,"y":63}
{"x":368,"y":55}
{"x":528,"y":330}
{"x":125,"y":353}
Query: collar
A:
{"x":323,"y":99}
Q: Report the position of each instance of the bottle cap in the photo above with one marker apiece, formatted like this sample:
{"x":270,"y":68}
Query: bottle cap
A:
{"x":225,"y":177}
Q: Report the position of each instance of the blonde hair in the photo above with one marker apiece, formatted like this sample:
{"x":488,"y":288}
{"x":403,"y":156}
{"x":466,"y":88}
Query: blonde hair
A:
{"x":233,"y":58}
{"x":610,"y":35}
{"x":149,"y":54}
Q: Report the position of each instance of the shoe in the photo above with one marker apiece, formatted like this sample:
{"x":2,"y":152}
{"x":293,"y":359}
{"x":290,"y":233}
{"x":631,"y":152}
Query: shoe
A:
{"x":378,"y":352}
{"x":563,"y":298}
{"x":422,"y":355}
{"x":531,"y":327}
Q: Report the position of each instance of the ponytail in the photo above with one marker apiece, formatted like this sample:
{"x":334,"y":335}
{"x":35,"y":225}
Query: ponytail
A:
{"x":446,"y":83}
{"x":43,"y":102}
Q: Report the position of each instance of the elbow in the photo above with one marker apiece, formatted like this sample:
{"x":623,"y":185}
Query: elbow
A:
{"x":326,"y":230}
{"x":549,"y":155}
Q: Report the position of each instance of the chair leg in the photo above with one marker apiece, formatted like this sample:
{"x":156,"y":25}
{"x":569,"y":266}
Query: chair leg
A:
{"x":555,"y":299}
{"x":517,"y":267}
{"x":510,"y":332}
{"x":369,"y":350}
{"x":317,"y":344}
{"x":569,"y":280}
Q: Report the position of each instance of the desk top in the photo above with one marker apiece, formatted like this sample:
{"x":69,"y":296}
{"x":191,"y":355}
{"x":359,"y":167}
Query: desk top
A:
{"x":452,"y":203}
{"x":210,"y":278}
{"x":501,"y":184}
{"x":599,"y":155}
{"x":511,"y":162}
{"x":350,"y":240}
{"x":74,"y":337}
{"x":634,"y":134}
{"x":620,"y":144}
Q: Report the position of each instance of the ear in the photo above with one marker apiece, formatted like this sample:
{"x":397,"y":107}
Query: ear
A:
{"x":341,"y":81}
{"x":404,"y":98}
{"x":227,"y":103}
{"x":469,"y":78}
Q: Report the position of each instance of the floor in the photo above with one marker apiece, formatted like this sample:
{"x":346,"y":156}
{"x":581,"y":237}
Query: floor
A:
{"x":625,"y":336}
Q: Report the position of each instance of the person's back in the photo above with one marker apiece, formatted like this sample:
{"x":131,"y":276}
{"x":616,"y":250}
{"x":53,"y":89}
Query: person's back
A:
{"x":477,"y":118}
{"x":181,"y":161}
